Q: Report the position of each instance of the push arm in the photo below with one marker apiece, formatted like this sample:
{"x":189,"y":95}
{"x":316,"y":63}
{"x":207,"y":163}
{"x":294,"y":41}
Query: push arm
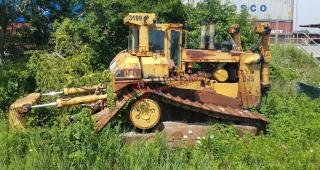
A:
{"x":264,"y":30}
{"x":234,"y":31}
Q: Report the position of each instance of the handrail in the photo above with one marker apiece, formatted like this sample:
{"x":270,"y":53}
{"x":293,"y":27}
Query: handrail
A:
{"x":309,"y":38}
{"x":313,"y":49}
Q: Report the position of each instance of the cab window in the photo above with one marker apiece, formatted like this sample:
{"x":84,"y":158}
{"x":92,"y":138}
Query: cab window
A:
{"x":175,"y":47}
{"x":133,"y":38}
{"x":156,"y":40}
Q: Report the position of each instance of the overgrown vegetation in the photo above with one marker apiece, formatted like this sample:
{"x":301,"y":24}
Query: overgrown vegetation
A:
{"x":83,"y":45}
{"x":292,"y":140}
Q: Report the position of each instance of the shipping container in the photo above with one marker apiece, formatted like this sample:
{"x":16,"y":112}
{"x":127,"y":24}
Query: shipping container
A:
{"x":281,"y":27}
{"x":265,"y":10}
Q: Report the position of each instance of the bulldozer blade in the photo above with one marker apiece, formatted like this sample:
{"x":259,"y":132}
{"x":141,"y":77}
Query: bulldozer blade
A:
{"x":19,"y":110}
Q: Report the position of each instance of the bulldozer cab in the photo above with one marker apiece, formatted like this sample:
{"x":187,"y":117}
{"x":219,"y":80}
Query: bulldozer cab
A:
{"x":147,"y":38}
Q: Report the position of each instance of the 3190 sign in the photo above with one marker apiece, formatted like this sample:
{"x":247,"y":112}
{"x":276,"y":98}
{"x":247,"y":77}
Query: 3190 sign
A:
{"x":135,"y":17}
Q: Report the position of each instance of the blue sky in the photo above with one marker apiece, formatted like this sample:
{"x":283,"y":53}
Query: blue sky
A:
{"x":307,"y":12}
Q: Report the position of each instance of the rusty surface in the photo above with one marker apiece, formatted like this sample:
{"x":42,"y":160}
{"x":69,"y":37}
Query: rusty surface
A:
{"x":207,"y":103}
{"x":218,"y":112}
{"x":180,"y":133}
{"x":18,"y":111}
{"x":103,"y":117}
{"x":196,"y":55}
{"x":236,"y":53}
{"x":205,"y":96}
{"x":142,"y":83}
{"x":28,"y":100}
{"x":82,"y":90}
{"x":210,"y":108}
{"x":247,"y":100}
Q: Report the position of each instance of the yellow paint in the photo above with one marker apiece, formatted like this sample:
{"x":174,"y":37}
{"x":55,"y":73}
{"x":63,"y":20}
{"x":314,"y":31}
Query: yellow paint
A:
{"x":139,"y":19}
{"x":265,"y":75}
{"x":164,"y":27}
{"x":265,"y":37}
{"x":18,"y":120}
{"x":63,"y":102}
{"x":193,"y":85}
{"x":126,"y":65}
{"x":253,"y":59}
{"x":249,"y":81}
{"x":260,"y":28}
{"x":267,"y":57}
{"x":81,"y":90}
{"x":143,"y":39}
{"x":189,"y":65}
{"x":235,"y":34}
{"x":156,"y":66}
{"x":221,"y":75}
{"x":145,"y":113}
{"x":227,"y":89}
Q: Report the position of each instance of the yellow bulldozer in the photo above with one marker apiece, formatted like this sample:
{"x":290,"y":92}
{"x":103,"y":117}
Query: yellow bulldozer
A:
{"x":162,"y":80}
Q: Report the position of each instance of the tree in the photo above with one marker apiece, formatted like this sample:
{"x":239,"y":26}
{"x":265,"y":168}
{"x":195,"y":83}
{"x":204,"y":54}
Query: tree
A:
{"x":210,"y":11}
{"x":248,"y":36}
{"x":41,"y":14}
{"x":6,"y":13}
{"x":9,"y":11}
{"x":223,"y":16}
{"x":99,"y":24}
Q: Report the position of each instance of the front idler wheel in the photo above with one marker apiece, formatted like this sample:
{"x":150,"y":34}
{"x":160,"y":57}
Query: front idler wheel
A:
{"x":145,"y":113}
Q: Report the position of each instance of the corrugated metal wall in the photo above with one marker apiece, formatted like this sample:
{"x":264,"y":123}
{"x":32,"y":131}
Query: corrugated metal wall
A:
{"x":281,"y":27}
{"x":266,"y":10}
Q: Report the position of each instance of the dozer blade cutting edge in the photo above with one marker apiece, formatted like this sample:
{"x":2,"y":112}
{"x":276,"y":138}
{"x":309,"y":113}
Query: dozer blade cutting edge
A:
{"x":19,"y":110}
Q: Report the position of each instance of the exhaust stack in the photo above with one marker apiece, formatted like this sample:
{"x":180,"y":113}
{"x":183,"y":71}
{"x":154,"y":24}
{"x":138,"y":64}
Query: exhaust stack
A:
{"x":203,"y":36}
{"x":212,"y":35}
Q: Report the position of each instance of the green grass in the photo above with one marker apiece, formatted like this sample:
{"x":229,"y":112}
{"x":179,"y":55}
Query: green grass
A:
{"x":292,"y":141}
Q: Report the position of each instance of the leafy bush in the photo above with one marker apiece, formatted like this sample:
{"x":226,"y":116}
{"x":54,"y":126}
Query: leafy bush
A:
{"x":223,"y":16}
{"x":14,"y":83}
{"x":292,"y":139}
{"x":293,"y":64}
{"x":84,"y":46}
{"x":54,"y":72}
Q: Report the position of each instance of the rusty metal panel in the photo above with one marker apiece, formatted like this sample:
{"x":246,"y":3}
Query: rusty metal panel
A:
{"x":203,"y":101}
{"x":223,"y":113}
{"x":191,"y":55}
{"x":281,"y":27}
